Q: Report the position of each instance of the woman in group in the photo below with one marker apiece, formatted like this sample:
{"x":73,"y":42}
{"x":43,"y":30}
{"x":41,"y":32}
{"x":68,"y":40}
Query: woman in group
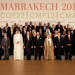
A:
{"x":48,"y":48}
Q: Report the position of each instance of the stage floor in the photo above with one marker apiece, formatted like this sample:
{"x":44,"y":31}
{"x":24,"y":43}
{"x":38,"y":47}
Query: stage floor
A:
{"x":37,"y":67}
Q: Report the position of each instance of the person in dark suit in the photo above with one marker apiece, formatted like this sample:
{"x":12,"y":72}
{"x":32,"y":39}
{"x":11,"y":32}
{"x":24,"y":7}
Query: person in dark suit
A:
{"x":11,"y":41}
{"x":0,"y":47}
{"x":28,"y":45}
{"x":6,"y":46}
{"x":58,"y":46}
{"x":21,"y":29}
{"x":30,"y":25}
{"x":59,"y":27}
{"x":24,"y":32}
{"x":68,"y":28}
{"x":68,"y":41}
{"x":49,"y":27}
{"x":39,"y":26}
{"x":26,"y":24}
{"x":38,"y":45}
{"x":16,"y":28}
{"x":7,"y":30}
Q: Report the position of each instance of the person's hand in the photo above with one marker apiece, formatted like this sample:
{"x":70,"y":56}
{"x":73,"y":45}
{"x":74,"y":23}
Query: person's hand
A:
{"x":41,"y":46}
{"x":24,"y":47}
{"x":31,"y":46}
{"x":55,"y":46}
{"x":18,"y":42}
{"x":69,"y":44}
{"x":61,"y":46}
{"x":2,"y":47}
{"x":34,"y":46}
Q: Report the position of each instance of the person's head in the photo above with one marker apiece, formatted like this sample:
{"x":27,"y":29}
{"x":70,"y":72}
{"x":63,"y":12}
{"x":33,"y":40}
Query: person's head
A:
{"x":26,"y":23}
{"x":30,"y":28}
{"x":64,"y":27}
{"x":28,"y":33}
{"x":48,"y":36}
{"x":40,"y":23}
{"x":20,"y":26}
{"x":30,"y":22}
{"x":40,"y":30}
{"x":5,"y":34}
{"x":37,"y":33}
{"x":58,"y":23}
{"x":68,"y":26}
{"x":48,"y":24}
{"x":53,"y":26}
{"x":44,"y":24}
{"x":17,"y":31}
{"x":24,"y":29}
{"x":34,"y":23}
{"x":6,"y":24}
{"x":64,"y":32}
{"x":72,"y":28}
{"x":11,"y":29}
{"x":34,"y":32}
{"x":59,"y":33}
{"x":68,"y":32}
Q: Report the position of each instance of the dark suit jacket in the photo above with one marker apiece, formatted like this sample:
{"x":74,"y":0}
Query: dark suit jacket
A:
{"x":8,"y":31}
{"x":67,"y":29}
{"x":67,"y":41}
{"x":28,"y":43}
{"x":32,"y":27}
{"x":0,"y":40}
{"x":57,"y":42}
{"x":39,"y":42}
{"x":61,"y":28}
{"x":38,"y":27}
{"x":5,"y":43}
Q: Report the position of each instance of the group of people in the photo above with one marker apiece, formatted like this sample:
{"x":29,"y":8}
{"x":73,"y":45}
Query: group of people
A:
{"x":49,"y":41}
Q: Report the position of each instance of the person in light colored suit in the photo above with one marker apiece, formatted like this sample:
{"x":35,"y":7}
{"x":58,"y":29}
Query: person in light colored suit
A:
{"x":48,"y":48}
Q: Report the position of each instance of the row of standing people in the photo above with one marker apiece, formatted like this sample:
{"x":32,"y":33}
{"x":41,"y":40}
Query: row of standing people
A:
{"x":36,"y":43}
{"x":41,"y":29}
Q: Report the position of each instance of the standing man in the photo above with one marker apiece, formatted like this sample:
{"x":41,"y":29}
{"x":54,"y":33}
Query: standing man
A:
{"x":38,"y":45}
{"x":59,"y":27}
{"x":6,"y":46}
{"x":68,"y":42}
{"x":28,"y":45}
{"x":0,"y":47}
{"x":18,"y":46}
{"x":58,"y":46}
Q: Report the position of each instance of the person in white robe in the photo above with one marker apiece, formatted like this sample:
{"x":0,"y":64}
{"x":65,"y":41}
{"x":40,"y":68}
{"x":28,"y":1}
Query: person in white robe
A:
{"x":18,"y":46}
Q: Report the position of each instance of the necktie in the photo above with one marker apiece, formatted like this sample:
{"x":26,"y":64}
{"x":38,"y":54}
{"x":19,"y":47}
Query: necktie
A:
{"x":69,"y":38}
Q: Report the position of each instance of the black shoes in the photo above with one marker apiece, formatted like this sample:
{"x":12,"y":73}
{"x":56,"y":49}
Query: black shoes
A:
{"x":6,"y":59}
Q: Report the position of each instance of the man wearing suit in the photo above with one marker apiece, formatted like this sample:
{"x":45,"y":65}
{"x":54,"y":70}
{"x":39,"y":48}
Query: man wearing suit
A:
{"x":30,"y":25}
{"x":28,"y":45}
{"x":68,"y":28}
{"x":6,"y":46}
{"x":7,"y":30}
{"x":49,"y":27}
{"x":58,"y":46}
{"x":59,"y":28}
{"x":0,"y":47}
{"x":11,"y":41}
{"x":39,"y":26}
{"x":68,"y":42}
{"x":38,"y":45}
